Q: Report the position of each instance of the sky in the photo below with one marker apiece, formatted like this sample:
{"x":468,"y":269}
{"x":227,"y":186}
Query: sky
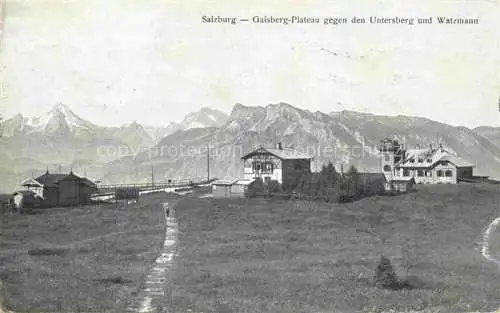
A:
{"x":154,"y":61}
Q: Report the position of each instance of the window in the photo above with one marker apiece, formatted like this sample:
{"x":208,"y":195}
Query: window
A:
{"x":440,"y":173}
{"x":420,"y":160}
{"x":406,"y":172}
{"x":428,"y":173}
{"x":420,"y":173}
{"x":268,"y":167}
{"x":444,"y":163}
{"x":429,"y":160}
{"x":387,"y":157}
{"x":256,"y":166}
{"x":412,"y":161}
{"x":449,"y":173}
{"x":387,"y":168}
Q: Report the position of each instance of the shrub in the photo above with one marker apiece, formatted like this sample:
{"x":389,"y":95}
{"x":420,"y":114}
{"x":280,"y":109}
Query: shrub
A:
{"x":327,"y":185}
{"x":273,"y":186}
{"x":267,"y":189}
{"x":256,"y":188}
{"x":384,"y":274}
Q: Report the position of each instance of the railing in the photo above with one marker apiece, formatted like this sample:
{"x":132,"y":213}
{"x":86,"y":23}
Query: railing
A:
{"x":155,"y":185}
{"x":478,"y":179}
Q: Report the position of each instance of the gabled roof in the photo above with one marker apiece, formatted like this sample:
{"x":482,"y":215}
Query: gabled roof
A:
{"x":31,"y":183}
{"x":434,"y":155}
{"x":48,"y":179}
{"x":424,"y":155}
{"x":230,"y":182}
{"x":224,"y":182}
{"x":283,"y":154}
{"x":87,"y":181}
{"x":244,"y":181}
{"x":459,"y":162}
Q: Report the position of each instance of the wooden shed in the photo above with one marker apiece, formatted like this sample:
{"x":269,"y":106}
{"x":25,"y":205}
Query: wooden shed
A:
{"x":235,"y":188}
{"x":402,"y":184}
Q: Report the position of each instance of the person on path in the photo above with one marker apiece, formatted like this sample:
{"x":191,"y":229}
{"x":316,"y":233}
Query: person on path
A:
{"x":166,"y":208}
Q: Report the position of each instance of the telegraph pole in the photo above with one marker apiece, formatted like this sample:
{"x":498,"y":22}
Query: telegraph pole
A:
{"x":208,"y":162}
{"x":152,"y":176}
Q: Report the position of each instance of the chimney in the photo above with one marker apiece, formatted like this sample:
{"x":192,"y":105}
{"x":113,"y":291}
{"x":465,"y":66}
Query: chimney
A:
{"x":418,"y":146}
{"x":431,"y":147}
{"x":441,"y":147}
{"x":279,"y":146}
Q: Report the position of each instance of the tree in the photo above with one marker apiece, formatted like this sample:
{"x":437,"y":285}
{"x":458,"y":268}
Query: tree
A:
{"x":352,"y":176}
{"x":256,"y":188}
{"x":274,"y":186}
{"x":328,"y":183}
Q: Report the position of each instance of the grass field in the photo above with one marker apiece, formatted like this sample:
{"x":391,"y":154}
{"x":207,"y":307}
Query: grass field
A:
{"x":89,"y":259}
{"x":283,"y":256}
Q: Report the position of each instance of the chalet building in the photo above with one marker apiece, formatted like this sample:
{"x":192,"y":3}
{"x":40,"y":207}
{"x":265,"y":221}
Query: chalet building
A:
{"x":61,"y":189}
{"x":426,"y":166}
{"x":284,"y":165}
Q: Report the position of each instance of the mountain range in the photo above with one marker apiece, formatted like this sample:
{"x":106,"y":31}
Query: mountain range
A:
{"x":61,"y":140}
{"x":130,"y":153}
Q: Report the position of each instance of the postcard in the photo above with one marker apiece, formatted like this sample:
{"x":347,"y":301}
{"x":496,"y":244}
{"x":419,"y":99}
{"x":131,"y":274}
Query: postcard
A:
{"x":249,"y":156}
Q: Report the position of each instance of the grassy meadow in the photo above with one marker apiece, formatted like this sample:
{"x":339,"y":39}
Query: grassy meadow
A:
{"x":88,"y":259}
{"x":257,"y":255}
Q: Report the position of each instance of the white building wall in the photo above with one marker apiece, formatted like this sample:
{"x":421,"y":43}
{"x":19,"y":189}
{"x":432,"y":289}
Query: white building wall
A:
{"x":250,"y":173}
{"x":431,"y":176}
{"x":37,"y":190}
{"x":275,"y":175}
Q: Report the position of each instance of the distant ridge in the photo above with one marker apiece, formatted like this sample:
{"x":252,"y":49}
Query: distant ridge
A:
{"x":352,"y":138}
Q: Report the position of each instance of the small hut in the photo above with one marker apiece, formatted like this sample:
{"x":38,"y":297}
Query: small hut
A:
{"x":402,"y":184}
{"x":236,"y":188}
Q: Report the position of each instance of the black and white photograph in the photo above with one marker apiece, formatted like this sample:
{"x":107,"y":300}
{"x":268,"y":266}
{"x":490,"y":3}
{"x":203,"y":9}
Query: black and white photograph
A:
{"x":250,"y":156}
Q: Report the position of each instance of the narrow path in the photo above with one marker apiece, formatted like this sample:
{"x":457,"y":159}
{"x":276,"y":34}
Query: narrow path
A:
{"x":485,"y":249}
{"x":156,"y":282}
{"x":485,"y":246}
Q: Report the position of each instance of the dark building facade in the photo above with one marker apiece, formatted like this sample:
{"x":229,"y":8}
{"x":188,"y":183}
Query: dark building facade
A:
{"x":61,"y":189}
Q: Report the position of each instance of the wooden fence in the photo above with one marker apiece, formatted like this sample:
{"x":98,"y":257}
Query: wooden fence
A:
{"x":106,"y":189}
{"x":479,"y":179}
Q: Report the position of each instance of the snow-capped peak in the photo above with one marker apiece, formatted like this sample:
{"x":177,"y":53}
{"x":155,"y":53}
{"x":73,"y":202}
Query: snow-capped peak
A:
{"x":59,"y":117}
